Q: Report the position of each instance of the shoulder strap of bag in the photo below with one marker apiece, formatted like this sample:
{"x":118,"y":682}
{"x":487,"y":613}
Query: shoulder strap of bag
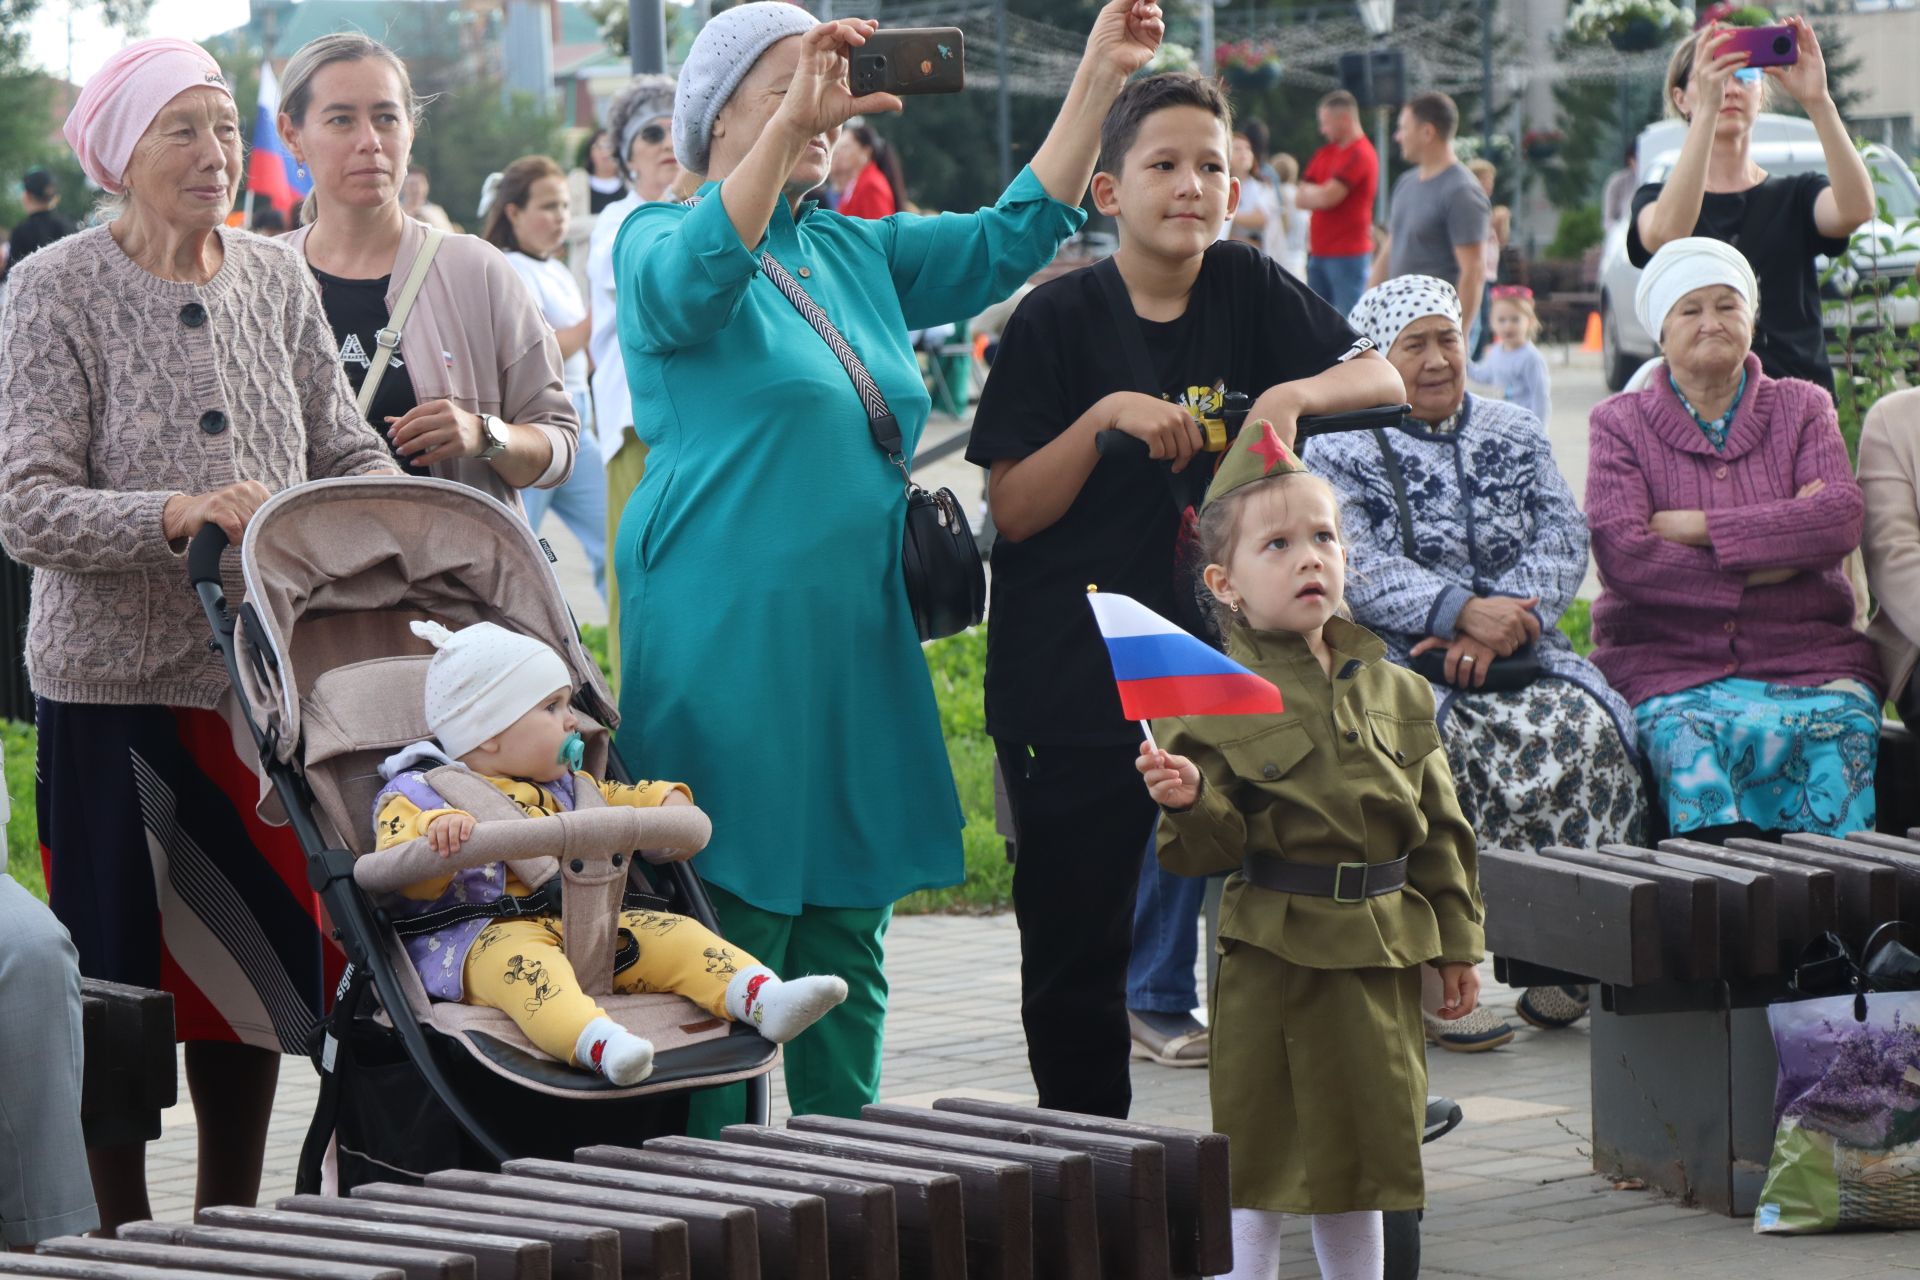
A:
{"x":388,"y":339}
{"x":1133,"y":342}
{"x":1398,"y":479}
{"x":881,"y":423}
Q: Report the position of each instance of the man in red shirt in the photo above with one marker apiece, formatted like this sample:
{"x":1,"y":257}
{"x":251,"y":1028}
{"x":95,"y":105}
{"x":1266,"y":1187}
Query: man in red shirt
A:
{"x":1338,"y":187}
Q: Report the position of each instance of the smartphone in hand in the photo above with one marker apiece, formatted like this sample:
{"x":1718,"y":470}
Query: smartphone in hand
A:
{"x":909,"y":61}
{"x":1764,"y":46}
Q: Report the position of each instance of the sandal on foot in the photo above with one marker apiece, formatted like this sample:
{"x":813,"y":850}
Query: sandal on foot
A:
{"x":1479,"y":1031}
{"x":1187,"y":1047}
{"x":1551,"y":1008}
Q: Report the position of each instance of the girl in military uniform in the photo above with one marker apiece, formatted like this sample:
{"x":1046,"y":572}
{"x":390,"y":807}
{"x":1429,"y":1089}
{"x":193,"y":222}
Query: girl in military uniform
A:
{"x":1353,"y":867}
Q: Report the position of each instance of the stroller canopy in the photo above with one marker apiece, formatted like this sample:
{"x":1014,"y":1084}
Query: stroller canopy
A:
{"x":335,"y":569}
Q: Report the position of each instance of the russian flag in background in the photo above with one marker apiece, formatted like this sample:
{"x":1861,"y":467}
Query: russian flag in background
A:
{"x":271,"y":173}
{"x":1163,"y":671}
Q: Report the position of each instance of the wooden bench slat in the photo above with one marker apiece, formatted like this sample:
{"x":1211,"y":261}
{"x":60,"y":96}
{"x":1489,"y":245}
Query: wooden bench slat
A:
{"x":217,"y":1260}
{"x":1749,"y":918}
{"x":1602,"y":924}
{"x":1805,"y":898}
{"x":997,"y":1194}
{"x":647,"y":1244}
{"x":792,"y":1226}
{"x":1905,"y":864}
{"x":863,"y":1235}
{"x":1689,"y":911}
{"x":931,"y":1232}
{"x":416,"y":1263}
{"x":39,"y":1264}
{"x":1129,"y":1181}
{"x":495,"y":1257}
{"x":723,"y":1239}
{"x":130,"y":1073}
{"x":1199,"y":1206}
{"x":575,"y":1252}
{"x":1066,"y":1228}
{"x":1866,"y":893}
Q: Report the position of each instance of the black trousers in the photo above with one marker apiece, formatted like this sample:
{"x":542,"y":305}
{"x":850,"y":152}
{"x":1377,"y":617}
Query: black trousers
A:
{"x":1081,"y":816}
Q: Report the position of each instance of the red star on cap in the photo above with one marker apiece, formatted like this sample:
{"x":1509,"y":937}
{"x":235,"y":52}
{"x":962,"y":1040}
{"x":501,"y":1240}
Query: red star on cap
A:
{"x":1272,"y":448}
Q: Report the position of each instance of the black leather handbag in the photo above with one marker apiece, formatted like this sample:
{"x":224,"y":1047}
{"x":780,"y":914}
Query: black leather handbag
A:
{"x":946,"y":582}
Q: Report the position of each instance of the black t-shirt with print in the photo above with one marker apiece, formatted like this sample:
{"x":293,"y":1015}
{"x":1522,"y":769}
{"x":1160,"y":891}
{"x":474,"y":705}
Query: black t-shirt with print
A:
{"x":1772,"y":226}
{"x":357,"y":310}
{"x":1248,"y":325}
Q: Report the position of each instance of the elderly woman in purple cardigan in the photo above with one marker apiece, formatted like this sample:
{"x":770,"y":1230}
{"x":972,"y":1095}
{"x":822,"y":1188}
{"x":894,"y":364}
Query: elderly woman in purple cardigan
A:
{"x":1722,"y":504}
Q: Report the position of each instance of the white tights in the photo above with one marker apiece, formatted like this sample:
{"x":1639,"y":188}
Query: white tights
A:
{"x":1348,"y":1246}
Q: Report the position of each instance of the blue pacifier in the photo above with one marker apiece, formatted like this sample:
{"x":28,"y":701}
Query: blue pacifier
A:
{"x":573,"y":752}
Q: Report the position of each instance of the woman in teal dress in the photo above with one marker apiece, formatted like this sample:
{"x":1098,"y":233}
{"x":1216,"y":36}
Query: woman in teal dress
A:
{"x":769,"y":658}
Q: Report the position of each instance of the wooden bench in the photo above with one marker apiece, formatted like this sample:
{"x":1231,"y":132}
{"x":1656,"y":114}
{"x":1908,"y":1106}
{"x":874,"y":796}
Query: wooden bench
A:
{"x":1599,"y":924}
{"x":414,"y":1263}
{"x":219,"y":1261}
{"x":1867,"y":893}
{"x":931,"y":1231}
{"x":575,"y":1252}
{"x":1905,"y":864}
{"x":130,"y":1073}
{"x":650,"y":1244}
{"x":34,"y":1264}
{"x":1689,"y":911}
{"x":1749,"y":919}
{"x":495,"y":1257}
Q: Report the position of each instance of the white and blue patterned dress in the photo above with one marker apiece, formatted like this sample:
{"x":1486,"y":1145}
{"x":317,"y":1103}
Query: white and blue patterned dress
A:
{"x":1555,"y":762}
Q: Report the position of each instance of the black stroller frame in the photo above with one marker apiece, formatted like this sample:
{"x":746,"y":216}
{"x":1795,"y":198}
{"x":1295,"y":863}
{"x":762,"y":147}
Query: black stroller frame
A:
{"x":359,"y":927}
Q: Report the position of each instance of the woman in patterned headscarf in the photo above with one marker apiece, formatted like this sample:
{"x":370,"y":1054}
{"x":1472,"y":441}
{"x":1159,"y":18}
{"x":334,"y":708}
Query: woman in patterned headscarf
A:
{"x":1467,"y":547}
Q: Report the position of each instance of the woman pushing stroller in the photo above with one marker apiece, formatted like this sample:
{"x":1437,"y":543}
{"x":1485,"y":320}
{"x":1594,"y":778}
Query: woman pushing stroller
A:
{"x":499,"y":706}
{"x":1353,"y":865}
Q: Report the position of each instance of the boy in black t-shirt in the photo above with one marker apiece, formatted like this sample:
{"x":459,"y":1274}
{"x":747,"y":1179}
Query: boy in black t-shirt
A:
{"x":1216,"y":318}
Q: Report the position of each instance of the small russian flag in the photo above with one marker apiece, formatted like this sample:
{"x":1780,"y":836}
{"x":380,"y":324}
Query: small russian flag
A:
{"x":1163,"y":671}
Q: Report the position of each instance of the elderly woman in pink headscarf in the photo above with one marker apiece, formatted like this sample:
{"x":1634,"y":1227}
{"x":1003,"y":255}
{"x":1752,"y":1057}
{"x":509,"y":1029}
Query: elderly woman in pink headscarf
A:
{"x":160,"y":373}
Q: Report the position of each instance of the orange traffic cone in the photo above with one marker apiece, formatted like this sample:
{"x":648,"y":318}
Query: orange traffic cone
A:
{"x":1592,"y":343}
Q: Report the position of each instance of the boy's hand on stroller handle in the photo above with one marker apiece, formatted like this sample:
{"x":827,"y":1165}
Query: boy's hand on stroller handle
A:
{"x":1173,"y":781}
{"x":1461,"y":990}
{"x":1163,"y":430}
{"x":230,"y":508}
{"x":448,"y":832}
{"x":1114,"y":443}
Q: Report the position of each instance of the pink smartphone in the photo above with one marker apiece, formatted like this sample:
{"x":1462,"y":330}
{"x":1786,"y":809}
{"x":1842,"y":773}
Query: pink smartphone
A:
{"x":1765,"y":46}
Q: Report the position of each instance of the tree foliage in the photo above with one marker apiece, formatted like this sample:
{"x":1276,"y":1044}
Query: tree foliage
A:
{"x":473,"y":130}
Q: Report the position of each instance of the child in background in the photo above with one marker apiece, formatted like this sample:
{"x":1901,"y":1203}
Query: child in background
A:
{"x":500,"y":706}
{"x":1513,"y":363}
{"x":1318,"y":1070}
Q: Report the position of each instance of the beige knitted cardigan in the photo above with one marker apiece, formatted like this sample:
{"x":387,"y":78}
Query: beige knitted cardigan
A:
{"x":119,"y":390}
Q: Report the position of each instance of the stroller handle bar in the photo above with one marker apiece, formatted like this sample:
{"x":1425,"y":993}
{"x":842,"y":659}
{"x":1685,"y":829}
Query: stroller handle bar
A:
{"x":1118,"y":444}
{"x":203,"y":554}
{"x":583,"y":835}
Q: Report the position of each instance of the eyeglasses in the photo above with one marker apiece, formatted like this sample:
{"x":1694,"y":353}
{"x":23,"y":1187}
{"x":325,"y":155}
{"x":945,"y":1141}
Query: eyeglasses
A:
{"x":653,"y":134}
{"x":1748,"y":75}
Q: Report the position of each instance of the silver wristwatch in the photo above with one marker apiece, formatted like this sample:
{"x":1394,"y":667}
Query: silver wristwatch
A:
{"x":496,"y":433}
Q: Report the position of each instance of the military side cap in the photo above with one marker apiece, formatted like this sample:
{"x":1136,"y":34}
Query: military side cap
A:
{"x":1257,"y":453}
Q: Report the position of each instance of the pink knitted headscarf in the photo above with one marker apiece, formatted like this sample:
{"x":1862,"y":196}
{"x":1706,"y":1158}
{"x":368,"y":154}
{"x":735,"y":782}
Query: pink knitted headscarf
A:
{"x":124,"y":96}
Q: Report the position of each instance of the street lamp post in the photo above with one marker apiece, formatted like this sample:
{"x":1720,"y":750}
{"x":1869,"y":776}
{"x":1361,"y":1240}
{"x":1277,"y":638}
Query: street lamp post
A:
{"x":1377,"y":17}
{"x":646,"y":36}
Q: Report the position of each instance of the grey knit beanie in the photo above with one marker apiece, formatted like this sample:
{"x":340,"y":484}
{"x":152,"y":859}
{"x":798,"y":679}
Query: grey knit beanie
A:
{"x":645,"y":98}
{"x":722,"y":54}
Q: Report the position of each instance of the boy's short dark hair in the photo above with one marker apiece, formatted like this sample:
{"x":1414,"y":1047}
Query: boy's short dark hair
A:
{"x":1141,"y":98}
{"x":39,"y":184}
{"x":1340,"y":100}
{"x":1436,"y":109}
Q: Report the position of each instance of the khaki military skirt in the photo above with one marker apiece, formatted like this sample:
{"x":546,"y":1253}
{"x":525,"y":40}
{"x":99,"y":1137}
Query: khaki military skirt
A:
{"x":1319,"y":1081}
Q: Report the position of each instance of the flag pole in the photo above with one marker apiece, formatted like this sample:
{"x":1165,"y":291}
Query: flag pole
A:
{"x":1146,"y":727}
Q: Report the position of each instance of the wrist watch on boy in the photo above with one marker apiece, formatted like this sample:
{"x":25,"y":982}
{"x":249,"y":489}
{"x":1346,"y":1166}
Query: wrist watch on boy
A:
{"x":496,"y":433}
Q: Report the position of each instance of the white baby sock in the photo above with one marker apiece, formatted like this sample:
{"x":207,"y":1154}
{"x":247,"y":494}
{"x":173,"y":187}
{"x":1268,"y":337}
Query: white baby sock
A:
{"x":615,"y":1052}
{"x":781,"y":1010}
{"x":1256,"y":1244}
{"x":1350,"y":1246}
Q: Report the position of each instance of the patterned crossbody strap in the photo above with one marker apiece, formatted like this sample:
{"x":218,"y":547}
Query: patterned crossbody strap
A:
{"x":880,"y":419}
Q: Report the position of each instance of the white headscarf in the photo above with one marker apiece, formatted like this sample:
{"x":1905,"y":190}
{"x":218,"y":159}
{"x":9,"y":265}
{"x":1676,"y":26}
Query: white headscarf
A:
{"x":1680,"y":267}
{"x":1384,"y":310}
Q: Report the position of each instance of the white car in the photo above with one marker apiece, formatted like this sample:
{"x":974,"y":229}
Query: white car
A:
{"x":1884,"y":253}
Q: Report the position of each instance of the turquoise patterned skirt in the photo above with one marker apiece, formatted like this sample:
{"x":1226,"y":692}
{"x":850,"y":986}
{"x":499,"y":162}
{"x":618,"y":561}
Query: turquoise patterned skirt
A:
{"x":1782,"y":757}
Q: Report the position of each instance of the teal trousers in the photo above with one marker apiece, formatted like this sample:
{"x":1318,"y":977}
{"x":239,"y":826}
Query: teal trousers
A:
{"x":833,"y":1067}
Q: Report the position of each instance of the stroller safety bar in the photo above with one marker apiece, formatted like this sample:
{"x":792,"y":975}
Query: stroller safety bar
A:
{"x":1118,"y":444}
{"x":587,"y":835}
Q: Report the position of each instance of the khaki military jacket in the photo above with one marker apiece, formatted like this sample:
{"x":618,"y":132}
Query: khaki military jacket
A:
{"x":1351,"y":771}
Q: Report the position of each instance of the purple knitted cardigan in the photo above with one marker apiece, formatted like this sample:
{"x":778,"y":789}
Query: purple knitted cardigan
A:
{"x":1671,"y":616}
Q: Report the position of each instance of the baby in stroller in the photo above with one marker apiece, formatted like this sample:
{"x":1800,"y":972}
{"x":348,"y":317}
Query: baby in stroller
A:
{"x":499,"y":705}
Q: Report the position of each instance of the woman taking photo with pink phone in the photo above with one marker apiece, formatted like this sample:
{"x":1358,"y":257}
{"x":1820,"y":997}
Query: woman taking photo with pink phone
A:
{"x":1718,"y":81}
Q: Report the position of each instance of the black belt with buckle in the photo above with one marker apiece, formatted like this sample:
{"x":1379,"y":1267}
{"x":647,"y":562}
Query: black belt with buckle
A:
{"x":1343,"y":882}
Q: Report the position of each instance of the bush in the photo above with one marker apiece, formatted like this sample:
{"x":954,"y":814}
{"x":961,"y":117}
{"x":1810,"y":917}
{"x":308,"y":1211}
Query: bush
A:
{"x":23,"y":835}
{"x":1579,"y":231}
{"x":1577,"y":622}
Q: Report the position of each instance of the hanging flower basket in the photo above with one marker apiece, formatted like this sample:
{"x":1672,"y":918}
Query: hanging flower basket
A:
{"x":1542,"y":145}
{"x":1250,"y":66}
{"x":1253,"y":79}
{"x":1631,"y":26}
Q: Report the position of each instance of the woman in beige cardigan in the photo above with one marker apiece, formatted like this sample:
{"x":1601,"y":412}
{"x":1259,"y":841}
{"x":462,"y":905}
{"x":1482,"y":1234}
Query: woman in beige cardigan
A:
{"x":474,"y":392}
{"x":1889,"y":472}
{"x":158,"y":374}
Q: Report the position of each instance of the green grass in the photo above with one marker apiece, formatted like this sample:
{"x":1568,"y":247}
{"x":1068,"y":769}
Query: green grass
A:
{"x":23,"y":841}
{"x":1577,"y":622}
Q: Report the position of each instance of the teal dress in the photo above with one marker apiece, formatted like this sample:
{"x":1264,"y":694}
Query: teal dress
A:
{"x":770,"y":660}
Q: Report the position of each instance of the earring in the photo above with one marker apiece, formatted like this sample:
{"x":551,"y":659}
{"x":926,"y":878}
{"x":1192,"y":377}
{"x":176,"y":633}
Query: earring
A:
{"x":1234,"y":605}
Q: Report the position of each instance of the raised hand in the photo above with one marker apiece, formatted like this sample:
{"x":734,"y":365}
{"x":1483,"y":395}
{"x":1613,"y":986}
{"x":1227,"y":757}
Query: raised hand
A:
{"x":1125,"y":37}
{"x":819,"y":98}
{"x":1806,"y":79}
{"x":1173,"y":781}
{"x":1713,"y":68}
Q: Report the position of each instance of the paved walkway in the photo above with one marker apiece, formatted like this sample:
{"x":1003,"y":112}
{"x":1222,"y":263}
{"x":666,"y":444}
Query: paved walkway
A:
{"x":1512,"y":1192}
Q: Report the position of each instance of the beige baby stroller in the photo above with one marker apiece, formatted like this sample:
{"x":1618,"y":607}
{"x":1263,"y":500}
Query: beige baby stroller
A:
{"x":331,"y":681}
